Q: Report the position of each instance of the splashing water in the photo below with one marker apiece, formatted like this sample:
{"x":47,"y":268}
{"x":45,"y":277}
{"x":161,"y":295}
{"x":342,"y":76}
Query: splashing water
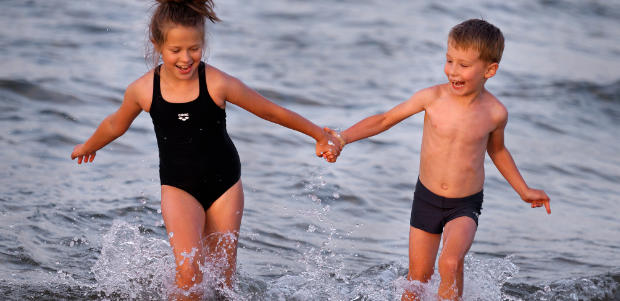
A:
{"x":325,"y":276}
{"x":132,"y":265}
{"x":136,"y":266}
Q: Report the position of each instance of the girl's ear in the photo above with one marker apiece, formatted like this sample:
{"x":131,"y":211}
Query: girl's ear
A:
{"x":491,"y":70}
{"x":155,"y":46}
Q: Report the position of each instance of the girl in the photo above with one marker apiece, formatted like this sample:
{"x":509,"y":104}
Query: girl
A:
{"x":201,"y":190}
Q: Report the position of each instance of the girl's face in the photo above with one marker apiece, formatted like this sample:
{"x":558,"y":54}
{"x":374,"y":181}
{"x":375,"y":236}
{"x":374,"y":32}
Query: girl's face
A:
{"x":182,"y":51}
{"x":465,"y":70}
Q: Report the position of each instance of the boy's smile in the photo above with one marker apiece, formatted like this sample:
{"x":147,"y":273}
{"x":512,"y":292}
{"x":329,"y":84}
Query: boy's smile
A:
{"x":466,"y":72}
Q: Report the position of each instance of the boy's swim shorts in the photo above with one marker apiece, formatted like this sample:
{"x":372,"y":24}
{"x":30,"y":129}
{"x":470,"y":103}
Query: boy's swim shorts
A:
{"x":431,"y":212}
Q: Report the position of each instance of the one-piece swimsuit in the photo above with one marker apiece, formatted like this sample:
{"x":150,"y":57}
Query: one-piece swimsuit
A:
{"x":195,"y":152}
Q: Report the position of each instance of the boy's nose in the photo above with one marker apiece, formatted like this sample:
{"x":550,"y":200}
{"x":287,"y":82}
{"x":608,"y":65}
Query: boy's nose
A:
{"x":452,"y":69}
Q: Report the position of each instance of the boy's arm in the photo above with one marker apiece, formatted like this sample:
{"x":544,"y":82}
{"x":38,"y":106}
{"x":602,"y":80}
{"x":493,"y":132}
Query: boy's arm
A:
{"x":112,"y":127}
{"x":376,"y":124}
{"x":505,"y":164}
{"x":238,"y":93}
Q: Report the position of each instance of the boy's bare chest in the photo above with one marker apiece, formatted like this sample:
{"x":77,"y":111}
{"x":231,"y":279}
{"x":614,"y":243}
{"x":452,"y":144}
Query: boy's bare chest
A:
{"x":467,"y":125}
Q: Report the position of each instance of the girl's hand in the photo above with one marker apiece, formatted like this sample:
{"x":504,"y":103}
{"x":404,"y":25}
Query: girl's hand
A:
{"x":537,"y":198}
{"x":329,"y":146}
{"x":81,"y":155}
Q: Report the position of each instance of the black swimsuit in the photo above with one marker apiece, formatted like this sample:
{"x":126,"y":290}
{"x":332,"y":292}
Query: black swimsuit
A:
{"x":195,"y":151}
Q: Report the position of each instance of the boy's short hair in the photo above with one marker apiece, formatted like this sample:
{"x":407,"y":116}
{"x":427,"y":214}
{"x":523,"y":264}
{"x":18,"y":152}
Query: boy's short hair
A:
{"x":480,"y":35}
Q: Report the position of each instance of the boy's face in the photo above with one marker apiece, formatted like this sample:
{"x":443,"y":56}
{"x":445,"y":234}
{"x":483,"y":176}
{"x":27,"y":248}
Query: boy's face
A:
{"x":466,"y":72}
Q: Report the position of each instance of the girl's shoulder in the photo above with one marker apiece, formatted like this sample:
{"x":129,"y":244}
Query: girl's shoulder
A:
{"x":141,"y":90}
{"x":216,"y":76}
{"x":143,"y":83}
{"x":218,"y":82}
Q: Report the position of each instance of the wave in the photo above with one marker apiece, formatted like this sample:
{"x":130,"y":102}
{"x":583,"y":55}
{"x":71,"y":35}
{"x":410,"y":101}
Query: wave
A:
{"x":604,"y":92}
{"x":599,"y":287}
{"x":36,"y":92}
{"x":134,"y":265}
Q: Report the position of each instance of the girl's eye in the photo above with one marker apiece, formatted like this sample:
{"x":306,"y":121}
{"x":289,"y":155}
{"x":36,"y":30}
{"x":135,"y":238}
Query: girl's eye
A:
{"x":175,"y":51}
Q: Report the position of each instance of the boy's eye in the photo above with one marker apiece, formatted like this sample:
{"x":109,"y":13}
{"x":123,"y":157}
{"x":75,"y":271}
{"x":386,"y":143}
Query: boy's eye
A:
{"x":465,"y":66}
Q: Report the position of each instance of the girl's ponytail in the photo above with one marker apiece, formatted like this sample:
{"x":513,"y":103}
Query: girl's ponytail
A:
{"x":202,"y":7}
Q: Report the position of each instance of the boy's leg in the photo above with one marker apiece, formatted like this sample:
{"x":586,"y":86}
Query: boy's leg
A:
{"x":223,"y":220}
{"x":458,"y":235}
{"x":184,"y":219}
{"x":423,"y":248}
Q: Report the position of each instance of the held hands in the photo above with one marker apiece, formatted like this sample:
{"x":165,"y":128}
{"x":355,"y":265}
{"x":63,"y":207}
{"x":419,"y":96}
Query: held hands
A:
{"x":82,"y":155}
{"x":537,"y":198}
{"x":330,"y":146}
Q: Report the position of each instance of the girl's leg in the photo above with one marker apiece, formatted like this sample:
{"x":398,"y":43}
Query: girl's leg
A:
{"x":457,"y":239}
{"x":184,"y":218}
{"x":221,"y":229}
{"x":423,"y":248}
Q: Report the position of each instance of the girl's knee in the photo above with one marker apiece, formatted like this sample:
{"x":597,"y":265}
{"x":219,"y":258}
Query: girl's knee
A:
{"x":420,"y":275}
{"x":188,"y":275}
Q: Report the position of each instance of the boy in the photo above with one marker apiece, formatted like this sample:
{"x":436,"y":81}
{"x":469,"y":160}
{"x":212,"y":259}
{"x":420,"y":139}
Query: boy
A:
{"x":462,"y":120}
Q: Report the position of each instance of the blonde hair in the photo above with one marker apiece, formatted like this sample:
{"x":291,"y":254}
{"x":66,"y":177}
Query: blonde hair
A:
{"x":480,"y":35}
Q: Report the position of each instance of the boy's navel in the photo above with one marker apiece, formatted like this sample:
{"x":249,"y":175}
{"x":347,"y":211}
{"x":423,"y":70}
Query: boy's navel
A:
{"x":444,"y":186}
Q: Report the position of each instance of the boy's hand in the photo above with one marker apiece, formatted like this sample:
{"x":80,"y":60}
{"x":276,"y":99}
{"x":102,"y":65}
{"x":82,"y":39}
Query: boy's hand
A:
{"x":329,"y":147}
{"x":537,"y":198}
{"x":81,"y":155}
{"x":337,"y":136}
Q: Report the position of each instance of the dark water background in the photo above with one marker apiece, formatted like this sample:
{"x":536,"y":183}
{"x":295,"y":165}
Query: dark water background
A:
{"x":311,"y":231}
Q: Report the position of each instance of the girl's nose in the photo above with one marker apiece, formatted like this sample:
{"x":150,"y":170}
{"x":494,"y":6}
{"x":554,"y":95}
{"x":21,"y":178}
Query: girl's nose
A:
{"x":186,"y":57}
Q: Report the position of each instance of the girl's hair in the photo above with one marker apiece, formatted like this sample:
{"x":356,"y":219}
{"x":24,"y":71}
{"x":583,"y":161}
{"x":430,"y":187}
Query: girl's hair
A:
{"x":168,"y":13}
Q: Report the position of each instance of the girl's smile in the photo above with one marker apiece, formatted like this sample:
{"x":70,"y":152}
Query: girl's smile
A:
{"x":182,"y":51}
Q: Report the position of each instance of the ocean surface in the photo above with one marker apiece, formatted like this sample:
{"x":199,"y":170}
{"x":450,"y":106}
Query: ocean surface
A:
{"x":311,"y":230}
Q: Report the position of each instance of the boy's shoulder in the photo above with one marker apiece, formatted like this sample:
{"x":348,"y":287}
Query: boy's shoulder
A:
{"x":435,"y":92}
{"x":428,"y":94}
{"x":496,"y":108}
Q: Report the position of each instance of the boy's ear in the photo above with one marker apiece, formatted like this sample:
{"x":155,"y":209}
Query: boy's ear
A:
{"x":491,"y":70}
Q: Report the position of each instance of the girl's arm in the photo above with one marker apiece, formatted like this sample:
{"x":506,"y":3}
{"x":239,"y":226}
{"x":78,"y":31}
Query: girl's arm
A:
{"x":376,"y":124}
{"x":506,"y":165}
{"x":112,"y":127}
{"x":238,"y":93}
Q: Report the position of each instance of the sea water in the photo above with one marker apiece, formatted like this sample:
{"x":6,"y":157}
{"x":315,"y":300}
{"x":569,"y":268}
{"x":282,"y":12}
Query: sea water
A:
{"x":310,"y":230}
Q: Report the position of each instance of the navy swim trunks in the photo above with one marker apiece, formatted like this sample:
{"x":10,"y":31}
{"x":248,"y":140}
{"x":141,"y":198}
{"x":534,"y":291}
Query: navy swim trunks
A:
{"x":431,"y":212}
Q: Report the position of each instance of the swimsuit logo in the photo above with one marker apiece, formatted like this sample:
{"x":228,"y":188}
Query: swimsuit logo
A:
{"x":183,"y":116}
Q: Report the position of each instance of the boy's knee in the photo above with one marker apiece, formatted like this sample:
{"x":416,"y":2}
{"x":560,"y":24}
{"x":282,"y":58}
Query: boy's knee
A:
{"x":450,"y":264}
